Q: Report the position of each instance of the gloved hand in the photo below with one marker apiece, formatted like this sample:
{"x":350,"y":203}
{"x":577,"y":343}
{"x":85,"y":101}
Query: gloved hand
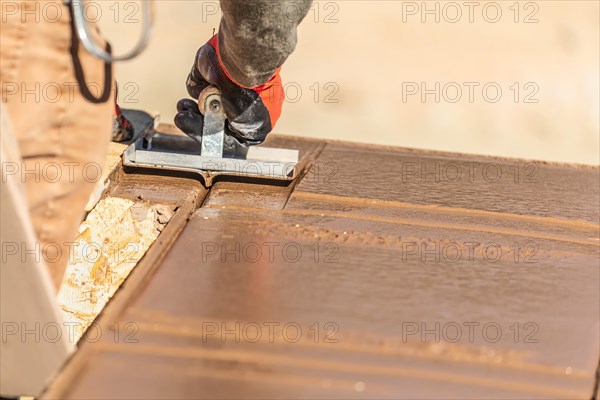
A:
{"x":251,"y":112}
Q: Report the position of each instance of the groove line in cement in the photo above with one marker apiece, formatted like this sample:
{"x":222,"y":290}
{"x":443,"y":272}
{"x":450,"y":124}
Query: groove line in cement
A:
{"x":174,"y":330}
{"x":471,"y":228}
{"x":188,"y":352}
{"x":442,"y":209}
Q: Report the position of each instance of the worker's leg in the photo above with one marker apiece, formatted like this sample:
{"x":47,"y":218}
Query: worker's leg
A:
{"x":61,"y":123}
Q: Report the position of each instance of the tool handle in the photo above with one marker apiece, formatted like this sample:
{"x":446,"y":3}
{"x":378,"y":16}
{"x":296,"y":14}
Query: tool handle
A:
{"x":209,"y":95}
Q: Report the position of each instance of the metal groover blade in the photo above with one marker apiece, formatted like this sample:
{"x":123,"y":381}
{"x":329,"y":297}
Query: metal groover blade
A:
{"x":213,"y":133}
{"x":183,"y":153}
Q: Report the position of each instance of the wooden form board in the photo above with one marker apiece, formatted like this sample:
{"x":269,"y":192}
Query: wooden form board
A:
{"x":361,"y":257}
{"x":34,"y":337}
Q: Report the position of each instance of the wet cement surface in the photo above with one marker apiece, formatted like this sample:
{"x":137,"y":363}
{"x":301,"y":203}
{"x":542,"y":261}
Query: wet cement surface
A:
{"x":360,"y":284}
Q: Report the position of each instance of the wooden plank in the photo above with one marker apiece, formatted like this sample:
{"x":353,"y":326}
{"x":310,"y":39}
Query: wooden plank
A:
{"x":361,"y":260}
{"x":113,"y":238}
{"x":29,"y":314}
{"x":111,"y":168}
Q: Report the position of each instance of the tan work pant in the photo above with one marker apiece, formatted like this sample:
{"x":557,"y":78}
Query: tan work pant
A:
{"x":58,"y":99}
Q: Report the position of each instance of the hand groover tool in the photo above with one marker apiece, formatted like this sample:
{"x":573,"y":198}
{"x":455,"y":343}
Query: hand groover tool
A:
{"x":205,"y":155}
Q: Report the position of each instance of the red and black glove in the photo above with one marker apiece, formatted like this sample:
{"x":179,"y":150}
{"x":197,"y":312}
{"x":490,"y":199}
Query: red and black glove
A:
{"x":251,"y":112}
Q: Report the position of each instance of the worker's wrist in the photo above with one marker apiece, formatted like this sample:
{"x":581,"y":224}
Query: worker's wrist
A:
{"x":236,"y":74}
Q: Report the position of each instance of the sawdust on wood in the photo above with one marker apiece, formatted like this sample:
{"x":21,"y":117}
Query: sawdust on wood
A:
{"x":111,"y":241}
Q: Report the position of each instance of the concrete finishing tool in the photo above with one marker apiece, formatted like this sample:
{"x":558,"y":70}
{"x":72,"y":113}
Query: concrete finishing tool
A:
{"x":205,"y":155}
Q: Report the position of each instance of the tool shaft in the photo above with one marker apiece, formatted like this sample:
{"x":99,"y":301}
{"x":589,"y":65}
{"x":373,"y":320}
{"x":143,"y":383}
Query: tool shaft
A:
{"x":213,"y":132}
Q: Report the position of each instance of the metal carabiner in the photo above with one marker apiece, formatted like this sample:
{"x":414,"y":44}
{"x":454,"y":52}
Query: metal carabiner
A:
{"x":95,"y":49}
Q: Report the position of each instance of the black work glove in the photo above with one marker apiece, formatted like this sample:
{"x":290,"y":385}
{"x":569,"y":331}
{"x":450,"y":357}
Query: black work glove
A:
{"x":251,"y":112}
